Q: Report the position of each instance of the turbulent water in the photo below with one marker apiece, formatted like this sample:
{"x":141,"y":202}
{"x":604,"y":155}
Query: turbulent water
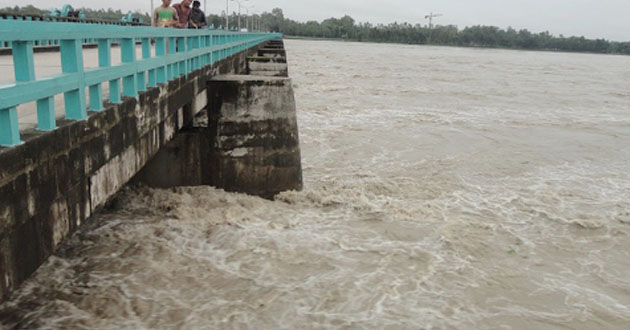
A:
{"x":445,"y":188}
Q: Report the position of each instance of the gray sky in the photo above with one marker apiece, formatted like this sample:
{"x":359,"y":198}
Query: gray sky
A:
{"x":608,"y":19}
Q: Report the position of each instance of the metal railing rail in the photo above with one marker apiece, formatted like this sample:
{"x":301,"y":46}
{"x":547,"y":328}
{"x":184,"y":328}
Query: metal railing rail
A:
{"x":177,"y":52}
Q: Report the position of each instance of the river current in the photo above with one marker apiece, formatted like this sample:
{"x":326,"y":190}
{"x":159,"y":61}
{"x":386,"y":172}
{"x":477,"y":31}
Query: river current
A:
{"x":445,"y":188}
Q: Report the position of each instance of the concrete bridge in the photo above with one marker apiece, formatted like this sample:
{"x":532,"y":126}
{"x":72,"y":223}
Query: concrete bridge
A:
{"x":79,"y":124}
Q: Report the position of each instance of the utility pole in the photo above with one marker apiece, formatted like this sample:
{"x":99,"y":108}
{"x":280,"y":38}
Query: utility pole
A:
{"x":151,"y":14}
{"x":227,"y":17}
{"x":430,"y":17}
{"x":239,"y":12}
{"x":248,"y":18}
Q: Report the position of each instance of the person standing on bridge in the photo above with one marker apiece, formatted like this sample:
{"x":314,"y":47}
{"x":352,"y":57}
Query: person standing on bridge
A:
{"x":183,"y":11}
{"x":165,"y":15}
{"x":197,"y":16}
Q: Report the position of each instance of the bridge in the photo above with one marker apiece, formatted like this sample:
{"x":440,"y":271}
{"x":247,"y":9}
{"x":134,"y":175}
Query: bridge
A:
{"x":159,"y":106}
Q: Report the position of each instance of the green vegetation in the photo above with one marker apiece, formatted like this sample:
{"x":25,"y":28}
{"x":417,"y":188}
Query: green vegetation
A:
{"x":476,"y":36}
{"x":346,"y":28}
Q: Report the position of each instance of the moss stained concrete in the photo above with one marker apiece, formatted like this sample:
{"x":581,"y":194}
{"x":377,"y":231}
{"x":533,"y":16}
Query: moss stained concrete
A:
{"x":56,"y":180}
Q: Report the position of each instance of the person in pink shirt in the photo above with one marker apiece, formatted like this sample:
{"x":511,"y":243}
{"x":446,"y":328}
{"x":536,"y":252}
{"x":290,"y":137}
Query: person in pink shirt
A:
{"x":183,"y":12}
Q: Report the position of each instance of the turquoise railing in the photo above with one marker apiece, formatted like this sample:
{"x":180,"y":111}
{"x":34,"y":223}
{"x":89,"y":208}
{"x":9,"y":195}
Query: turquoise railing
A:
{"x":53,"y":18}
{"x":177,"y":52}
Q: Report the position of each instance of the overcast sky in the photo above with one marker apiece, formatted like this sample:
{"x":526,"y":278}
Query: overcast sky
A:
{"x":608,"y":19}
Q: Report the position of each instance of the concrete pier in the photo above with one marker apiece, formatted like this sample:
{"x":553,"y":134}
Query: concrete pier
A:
{"x":253,"y":135}
{"x":267,"y":66}
{"x":272,"y":52}
{"x":245,"y":141}
{"x":270,"y":61}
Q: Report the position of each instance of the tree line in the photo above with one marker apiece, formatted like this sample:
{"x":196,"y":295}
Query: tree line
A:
{"x":346,"y":28}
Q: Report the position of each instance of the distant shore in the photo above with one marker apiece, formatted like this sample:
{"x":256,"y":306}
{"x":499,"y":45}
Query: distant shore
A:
{"x":457,"y":46}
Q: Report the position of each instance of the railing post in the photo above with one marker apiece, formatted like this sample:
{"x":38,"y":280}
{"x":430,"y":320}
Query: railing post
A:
{"x":23,"y":62}
{"x":160,"y":50}
{"x":96,"y":91}
{"x":128,"y":55}
{"x":230,"y":39}
{"x":190,"y":61}
{"x":197,"y":59}
{"x":104,"y":61}
{"x":223,"y":49}
{"x":216,"y":54}
{"x":141,"y":76}
{"x":208,"y":57}
{"x":173,"y":69}
{"x":9,"y":128}
{"x":230,"y":48}
{"x":146,"y":54}
{"x":220,"y":43}
{"x":46,"y":120}
{"x":213,"y":42}
{"x":203,"y":58}
{"x":25,"y":71}
{"x":72,"y":62}
{"x":181,"y":48}
{"x":190,"y":65}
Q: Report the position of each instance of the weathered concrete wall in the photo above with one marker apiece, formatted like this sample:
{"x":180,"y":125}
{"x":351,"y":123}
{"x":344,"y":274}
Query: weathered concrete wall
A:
{"x":55,"y":181}
{"x":266,"y":67}
{"x":272,"y":52}
{"x":253,"y":135}
{"x":270,"y":61}
{"x":248,"y":143}
{"x":179,"y":163}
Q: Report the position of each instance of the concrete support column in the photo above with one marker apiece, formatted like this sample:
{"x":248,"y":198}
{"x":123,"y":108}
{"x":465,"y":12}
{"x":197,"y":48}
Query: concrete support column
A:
{"x":253,"y":135}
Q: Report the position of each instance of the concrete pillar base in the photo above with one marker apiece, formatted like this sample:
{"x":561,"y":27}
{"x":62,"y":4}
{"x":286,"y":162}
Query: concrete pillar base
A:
{"x":253,"y":135}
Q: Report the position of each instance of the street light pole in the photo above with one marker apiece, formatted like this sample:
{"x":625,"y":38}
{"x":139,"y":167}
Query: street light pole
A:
{"x":247,"y":19}
{"x":239,"y":12}
{"x":249,"y":24}
{"x":227,"y":20}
